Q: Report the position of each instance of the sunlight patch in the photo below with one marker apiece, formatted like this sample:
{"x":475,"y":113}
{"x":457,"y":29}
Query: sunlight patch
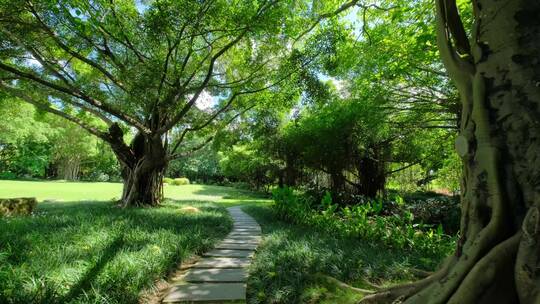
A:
{"x":190,"y":209}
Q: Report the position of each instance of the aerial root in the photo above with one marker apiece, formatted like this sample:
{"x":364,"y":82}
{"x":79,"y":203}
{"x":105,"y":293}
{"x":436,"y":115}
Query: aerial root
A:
{"x":343,"y":285}
{"x":419,"y":273}
{"x":527,"y":261}
{"x":399,"y":293}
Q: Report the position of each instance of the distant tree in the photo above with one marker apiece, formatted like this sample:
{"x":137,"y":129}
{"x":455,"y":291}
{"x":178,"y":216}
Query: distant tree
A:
{"x":202,"y":166}
{"x":42,"y":145}
{"x":71,"y":147}
{"x":25,"y":150}
{"x":344,"y":139}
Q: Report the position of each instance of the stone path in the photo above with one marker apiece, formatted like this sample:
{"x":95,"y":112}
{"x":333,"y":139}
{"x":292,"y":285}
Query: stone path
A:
{"x":220,"y":276}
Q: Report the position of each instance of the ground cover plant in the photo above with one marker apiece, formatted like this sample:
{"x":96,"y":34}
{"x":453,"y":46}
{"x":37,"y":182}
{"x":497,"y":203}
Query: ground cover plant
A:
{"x":91,"y":251}
{"x":294,"y":262}
{"x":364,"y":221}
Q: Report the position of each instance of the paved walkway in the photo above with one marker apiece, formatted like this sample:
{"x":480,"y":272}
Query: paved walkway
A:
{"x":221,"y":274}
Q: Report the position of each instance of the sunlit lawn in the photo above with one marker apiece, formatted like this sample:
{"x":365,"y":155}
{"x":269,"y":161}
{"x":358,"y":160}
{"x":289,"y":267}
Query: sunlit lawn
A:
{"x":79,"y":247}
{"x":86,"y":191}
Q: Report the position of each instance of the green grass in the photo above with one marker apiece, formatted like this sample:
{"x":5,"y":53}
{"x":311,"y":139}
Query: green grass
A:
{"x":61,"y":191}
{"x":79,"y":248}
{"x":287,"y":264}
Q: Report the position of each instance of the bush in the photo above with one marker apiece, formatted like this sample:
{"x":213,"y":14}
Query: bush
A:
{"x":180,"y":181}
{"x":167,"y":180}
{"x":101,"y":177}
{"x":366,"y":221}
{"x":436,"y":210}
{"x":241,"y":185}
{"x":8,"y":175}
{"x":17,"y":206}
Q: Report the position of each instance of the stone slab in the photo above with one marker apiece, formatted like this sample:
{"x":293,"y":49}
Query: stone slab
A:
{"x":242,"y":241}
{"x":244,"y":233}
{"x":236,"y":246}
{"x":206,"y":292}
{"x":243,"y":226}
{"x":216,"y":275}
{"x":229,"y":253}
{"x":214,"y":262}
{"x":244,"y":237}
{"x":250,"y":229}
{"x":254,"y":229}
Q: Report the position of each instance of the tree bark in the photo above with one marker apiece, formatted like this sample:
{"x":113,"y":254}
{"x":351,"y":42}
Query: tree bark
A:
{"x":497,"y":259}
{"x":143,"y":168}
{"x":69,"y":168}
{"x":290,"y":172}
{"x":371,"y":173}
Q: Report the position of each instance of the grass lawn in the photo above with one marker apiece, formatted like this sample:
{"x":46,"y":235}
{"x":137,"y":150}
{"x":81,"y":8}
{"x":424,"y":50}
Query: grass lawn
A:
{"x":79,"y":248}
{"x":61,"y":191}
{"x":289,"y":261}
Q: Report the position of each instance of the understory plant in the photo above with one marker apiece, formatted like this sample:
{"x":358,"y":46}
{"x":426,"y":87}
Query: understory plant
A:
{"x":365,"y":221}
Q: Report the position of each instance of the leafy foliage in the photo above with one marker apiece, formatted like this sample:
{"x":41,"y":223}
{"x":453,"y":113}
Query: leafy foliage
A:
{"x":288,"y":264}
{"x":180,"y":181}
{"x":35,"y":144}
{"x":364,"y":221}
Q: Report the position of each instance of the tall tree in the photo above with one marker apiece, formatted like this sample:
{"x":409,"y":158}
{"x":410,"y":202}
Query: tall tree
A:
{"x":143,"y":67}
{"x":496,"y":68}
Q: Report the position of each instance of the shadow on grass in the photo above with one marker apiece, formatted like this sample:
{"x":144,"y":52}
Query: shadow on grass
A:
{"x":84,"y":283}
{"x":52,"y":218}
{"x":64,"y":238}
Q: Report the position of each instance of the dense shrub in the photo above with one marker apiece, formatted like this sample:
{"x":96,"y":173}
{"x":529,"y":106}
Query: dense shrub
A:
{"x":17,"y":206}
{"x":434,"y":211}
{"x":180,"y":181}
{"x":366,"y":221}
{"x":341,"y":197}
{"x":8,"y":175}
{"x":428,"y":208}
{"x":167,"y":180}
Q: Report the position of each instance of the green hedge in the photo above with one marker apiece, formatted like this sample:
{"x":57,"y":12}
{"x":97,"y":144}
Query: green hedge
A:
{"x":180,"y":181}
{"x":17,"y":206}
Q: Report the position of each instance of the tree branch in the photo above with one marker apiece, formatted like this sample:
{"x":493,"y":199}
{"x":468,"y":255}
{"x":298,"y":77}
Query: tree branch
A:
{"x":48,"y":108}
{"x":209,"y":74}
{"x":343,"y":7}
{"x":191,"y":151}
{"x":72,"y":91}
{"x":64,"y":47}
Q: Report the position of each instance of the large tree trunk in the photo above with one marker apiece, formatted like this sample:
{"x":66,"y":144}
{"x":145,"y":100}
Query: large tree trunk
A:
{"x":497,"y":259}
{"x":143,"y":185}
{"x":69,"y":168}
{"x":290,"y":172}
{"x":143,"y":168}
{"x":371,"y":173}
